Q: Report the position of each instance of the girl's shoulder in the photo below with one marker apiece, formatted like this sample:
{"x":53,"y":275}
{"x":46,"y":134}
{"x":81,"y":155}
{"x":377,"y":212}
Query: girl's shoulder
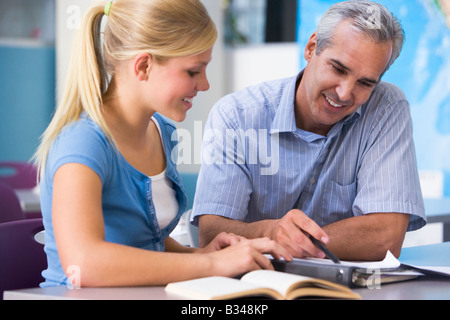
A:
{"x":83,"y":142}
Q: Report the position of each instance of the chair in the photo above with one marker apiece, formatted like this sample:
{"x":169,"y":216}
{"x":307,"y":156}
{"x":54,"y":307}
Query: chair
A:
{"x":10,"y":209}
{"x":18,"y":175}
{"x":190,"y":184}
{"x":22,"y":258}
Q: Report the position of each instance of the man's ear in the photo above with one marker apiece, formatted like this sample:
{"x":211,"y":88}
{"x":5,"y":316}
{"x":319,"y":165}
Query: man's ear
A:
{"x":142,"y":66}
{"x":310,"y":48}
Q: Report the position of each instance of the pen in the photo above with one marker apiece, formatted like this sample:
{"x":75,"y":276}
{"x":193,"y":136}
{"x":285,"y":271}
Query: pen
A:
{"x":325,"y":250}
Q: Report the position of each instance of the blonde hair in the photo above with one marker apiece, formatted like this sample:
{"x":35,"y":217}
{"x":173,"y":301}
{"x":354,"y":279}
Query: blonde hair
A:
{"x":163,"y":28}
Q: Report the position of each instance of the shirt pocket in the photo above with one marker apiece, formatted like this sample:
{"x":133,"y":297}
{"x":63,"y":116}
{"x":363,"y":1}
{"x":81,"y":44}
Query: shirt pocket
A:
{"x":337,"y":201}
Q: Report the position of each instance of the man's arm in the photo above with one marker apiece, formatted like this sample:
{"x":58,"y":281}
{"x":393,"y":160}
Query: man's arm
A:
{"x":365,"y":237}
{"x":368,"y":237}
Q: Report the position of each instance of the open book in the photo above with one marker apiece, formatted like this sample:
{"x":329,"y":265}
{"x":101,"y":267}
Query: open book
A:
{"x":261,"y":283}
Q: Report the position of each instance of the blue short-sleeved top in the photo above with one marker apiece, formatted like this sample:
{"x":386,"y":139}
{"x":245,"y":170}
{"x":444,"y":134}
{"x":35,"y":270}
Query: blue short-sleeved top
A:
{"x":128,"y":210}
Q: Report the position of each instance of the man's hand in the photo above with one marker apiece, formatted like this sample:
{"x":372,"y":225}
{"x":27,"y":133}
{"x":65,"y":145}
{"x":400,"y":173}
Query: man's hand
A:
{"x":293,"y":231}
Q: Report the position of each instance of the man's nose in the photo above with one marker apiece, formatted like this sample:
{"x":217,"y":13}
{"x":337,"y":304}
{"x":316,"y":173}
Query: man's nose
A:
{"x":345,"y":90}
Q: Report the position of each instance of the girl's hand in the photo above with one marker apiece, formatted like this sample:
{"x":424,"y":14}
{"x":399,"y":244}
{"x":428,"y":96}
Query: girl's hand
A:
{"x":245,"y":255}
{"x":221,"y":241}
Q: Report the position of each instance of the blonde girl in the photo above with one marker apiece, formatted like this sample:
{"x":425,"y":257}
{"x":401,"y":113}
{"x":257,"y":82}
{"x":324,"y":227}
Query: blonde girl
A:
{"x":110,"y":192}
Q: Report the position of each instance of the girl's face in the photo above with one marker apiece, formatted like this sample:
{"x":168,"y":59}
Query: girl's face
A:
{"x":174,"y":84}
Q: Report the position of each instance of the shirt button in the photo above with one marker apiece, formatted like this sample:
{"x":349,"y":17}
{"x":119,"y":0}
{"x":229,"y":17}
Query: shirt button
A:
{"x":312,"y":181}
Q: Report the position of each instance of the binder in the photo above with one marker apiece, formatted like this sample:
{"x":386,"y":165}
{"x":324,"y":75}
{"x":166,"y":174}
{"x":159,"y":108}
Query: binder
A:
{"x":347,"y":275}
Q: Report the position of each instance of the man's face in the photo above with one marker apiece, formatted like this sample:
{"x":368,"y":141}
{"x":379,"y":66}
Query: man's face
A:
{"x":340,"y":79}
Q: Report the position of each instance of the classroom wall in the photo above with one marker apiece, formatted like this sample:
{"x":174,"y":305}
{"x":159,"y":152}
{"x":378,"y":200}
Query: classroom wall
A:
{"x":27,"y":98}
{"x":27,"y":75}
{"x":250,"y":65}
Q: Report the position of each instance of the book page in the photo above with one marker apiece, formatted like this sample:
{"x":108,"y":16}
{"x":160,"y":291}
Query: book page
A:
{"x":279,"y":281}
{"x":212,"y":288}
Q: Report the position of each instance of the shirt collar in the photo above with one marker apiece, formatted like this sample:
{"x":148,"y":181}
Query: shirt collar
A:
{"x":352,"y":117}
{"x":284,"y":120}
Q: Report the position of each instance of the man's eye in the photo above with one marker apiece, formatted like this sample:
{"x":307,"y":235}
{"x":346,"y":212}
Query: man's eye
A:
{"x":338,"y":70}
{"x":193,"y":73}
{"x":366,"y":84}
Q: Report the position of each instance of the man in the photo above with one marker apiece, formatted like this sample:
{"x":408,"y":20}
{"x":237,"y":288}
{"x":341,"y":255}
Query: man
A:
{"x":342,"y":164}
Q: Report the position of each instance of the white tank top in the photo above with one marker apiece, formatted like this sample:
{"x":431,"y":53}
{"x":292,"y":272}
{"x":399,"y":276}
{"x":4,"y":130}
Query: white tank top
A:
{"x":164,"y":199}
{"x":163,"y":196}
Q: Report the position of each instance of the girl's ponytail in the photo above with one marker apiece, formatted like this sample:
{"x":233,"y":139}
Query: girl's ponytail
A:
{"x":86,"y":82}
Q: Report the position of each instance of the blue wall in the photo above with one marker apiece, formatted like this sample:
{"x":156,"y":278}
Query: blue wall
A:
{"x":27,"y":98}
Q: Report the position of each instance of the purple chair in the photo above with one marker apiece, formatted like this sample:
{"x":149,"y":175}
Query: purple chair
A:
{"x":18,"y":175}
{"x":22,"y":258}
{"x":10,"y":209}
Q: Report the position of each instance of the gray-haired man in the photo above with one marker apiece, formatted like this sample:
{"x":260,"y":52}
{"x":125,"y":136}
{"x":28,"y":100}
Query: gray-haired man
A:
{"x":347,"y":166}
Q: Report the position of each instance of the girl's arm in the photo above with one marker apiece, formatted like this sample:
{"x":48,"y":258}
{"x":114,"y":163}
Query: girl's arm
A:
{"x":174,"y":246}
{"x":79,"y":233}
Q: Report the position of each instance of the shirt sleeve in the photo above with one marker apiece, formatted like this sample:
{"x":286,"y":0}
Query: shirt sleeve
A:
{"x":224,"y":185}
{"x":388,"y":178}
{"x":81,"y":143}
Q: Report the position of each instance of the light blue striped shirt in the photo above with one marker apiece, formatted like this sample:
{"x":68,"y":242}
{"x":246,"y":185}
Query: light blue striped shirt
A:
{"x":256,"y":163}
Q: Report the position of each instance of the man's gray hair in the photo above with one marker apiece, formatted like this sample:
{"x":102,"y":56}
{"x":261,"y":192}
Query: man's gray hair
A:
{"x":367,"y":17}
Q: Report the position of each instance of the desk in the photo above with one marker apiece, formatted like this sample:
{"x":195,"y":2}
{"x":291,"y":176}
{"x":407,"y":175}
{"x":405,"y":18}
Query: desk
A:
{"x":438,"y":211}
{"x":424,"y":288}
{"x":428,"y":255}
{"x":30,"y":201}
{"x":420,"y":289}
{"x":64,"y":293}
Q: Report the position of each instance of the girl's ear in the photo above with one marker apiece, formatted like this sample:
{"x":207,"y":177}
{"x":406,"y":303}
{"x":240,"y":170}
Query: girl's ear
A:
{"x":142,"y":66}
